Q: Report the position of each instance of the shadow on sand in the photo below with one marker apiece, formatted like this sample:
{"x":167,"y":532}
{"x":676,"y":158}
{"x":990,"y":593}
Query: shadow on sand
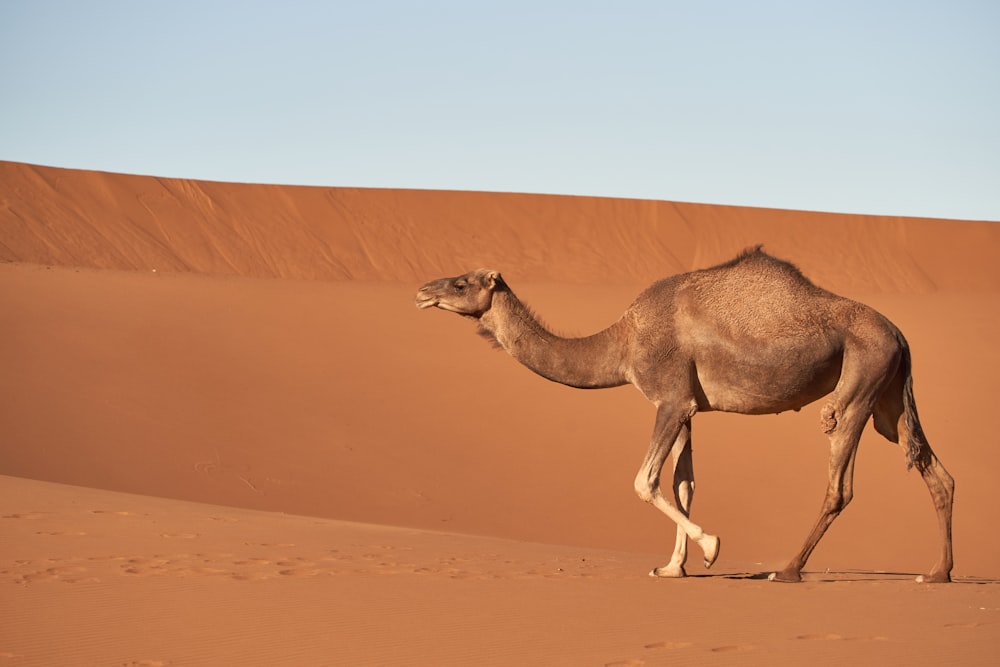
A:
{"x":846,"y":576}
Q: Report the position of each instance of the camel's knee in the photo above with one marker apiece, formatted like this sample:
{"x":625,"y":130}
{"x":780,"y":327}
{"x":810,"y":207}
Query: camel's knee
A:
{"x":837,"y":500}
{"x":645,"y":488}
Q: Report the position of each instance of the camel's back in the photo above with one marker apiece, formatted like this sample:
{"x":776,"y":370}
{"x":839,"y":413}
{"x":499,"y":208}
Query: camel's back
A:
{"x":759,"y":336}
{"x":755,"y":295}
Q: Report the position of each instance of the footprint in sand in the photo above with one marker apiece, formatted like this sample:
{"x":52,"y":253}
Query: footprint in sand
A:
{"x":669,"y":645}
{"x":251,"y":575}
{"x":252,"y":561}
{"x":180,"y":536}
{"x":300,"y":572}
{"x":68,"y":574}
{"x":735,"y":648}
{"x":832,"y":636}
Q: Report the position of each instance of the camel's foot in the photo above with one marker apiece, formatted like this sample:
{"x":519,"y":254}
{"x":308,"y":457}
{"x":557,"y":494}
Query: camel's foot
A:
{"x":669,"y":571}
{"x":710,"y":545}
{"x":786,"y":576}
{"x":934,"y":578}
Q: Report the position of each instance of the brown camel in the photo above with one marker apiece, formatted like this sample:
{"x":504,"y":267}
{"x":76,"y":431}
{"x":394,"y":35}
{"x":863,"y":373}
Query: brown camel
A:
{"x":752,"y":336}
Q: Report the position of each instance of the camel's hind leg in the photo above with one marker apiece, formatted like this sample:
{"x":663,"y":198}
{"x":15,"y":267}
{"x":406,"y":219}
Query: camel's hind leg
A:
{"x":942,"y":488}
{"x":869,"y":364}
{"x":845,"y":432}
{"x":683,"y":495}
{"x":896,"y":419}
{"x":667,"y":432}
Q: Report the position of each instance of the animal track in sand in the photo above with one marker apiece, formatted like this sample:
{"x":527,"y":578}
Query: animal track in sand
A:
{"x":215,"y":466}
{"x":280,"y":560}
{"x":832,"y":636}
{"x":735,"y":648}
{"x":669,"y":645}
{"x":70,"y":574}
{"x":964,"y":625}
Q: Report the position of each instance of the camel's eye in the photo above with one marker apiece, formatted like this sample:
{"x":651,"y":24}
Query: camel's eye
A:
{"x":460,"y":286}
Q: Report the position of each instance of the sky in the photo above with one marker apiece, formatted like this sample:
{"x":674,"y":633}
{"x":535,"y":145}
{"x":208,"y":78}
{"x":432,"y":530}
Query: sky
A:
{"x":885,"y":107}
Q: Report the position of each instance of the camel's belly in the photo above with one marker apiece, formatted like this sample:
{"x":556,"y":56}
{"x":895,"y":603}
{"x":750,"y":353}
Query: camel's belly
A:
{"x":767,"y":383}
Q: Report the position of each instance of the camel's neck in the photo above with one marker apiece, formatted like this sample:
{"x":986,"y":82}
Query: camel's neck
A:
{"x":592,"y":362}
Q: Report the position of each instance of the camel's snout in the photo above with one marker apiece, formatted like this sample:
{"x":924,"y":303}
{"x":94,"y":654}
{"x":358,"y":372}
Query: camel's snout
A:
{"x":425,"y":300}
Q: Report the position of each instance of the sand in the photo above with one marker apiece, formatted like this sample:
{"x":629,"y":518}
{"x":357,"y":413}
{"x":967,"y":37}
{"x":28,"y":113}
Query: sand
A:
{"x":229,"y":437}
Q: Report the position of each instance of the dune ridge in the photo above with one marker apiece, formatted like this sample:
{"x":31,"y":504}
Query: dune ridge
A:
{"x":102,"y":220}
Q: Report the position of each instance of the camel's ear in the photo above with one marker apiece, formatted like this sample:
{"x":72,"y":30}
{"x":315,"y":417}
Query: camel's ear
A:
{"x":493,"y":279}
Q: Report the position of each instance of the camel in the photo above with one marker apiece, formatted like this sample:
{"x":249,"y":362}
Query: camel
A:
{"x":751,"y":336}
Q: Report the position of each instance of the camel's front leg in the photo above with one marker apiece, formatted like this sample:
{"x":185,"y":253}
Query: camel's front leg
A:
{"x":673,"y":429}
{"x":683,"y":495}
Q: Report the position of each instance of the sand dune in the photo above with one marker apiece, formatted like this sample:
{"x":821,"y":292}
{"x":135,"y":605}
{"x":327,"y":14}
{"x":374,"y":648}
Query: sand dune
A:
{"x":274,"y":363}
{"x":112,"y":221}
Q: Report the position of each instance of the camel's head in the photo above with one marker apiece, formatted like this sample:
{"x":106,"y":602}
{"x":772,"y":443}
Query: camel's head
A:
{"x":470,"y":294}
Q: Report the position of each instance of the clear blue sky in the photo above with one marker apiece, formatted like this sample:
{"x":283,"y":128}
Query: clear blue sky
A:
{"x":871,"y":106}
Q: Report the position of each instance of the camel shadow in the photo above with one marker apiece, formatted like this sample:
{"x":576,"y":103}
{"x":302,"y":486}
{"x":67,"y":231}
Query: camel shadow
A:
{"x":846,"y":576}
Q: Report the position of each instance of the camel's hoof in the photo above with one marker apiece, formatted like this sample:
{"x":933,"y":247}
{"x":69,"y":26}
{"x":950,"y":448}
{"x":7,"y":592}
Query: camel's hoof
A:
{"x":710,"y":545}
{"x":934,"y":578}
{"x":668,"y":572}
{"x":785,"y":577}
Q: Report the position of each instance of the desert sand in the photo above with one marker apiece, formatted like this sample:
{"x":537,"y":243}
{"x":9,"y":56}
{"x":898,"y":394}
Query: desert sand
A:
{"x":229,"y":437}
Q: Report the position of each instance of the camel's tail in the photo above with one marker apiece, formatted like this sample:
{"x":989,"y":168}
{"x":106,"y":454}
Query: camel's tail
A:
{"x":917,"y":448}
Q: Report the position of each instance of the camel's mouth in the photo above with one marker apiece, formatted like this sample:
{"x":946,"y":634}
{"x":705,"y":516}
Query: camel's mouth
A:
{"x":425,"y":301}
